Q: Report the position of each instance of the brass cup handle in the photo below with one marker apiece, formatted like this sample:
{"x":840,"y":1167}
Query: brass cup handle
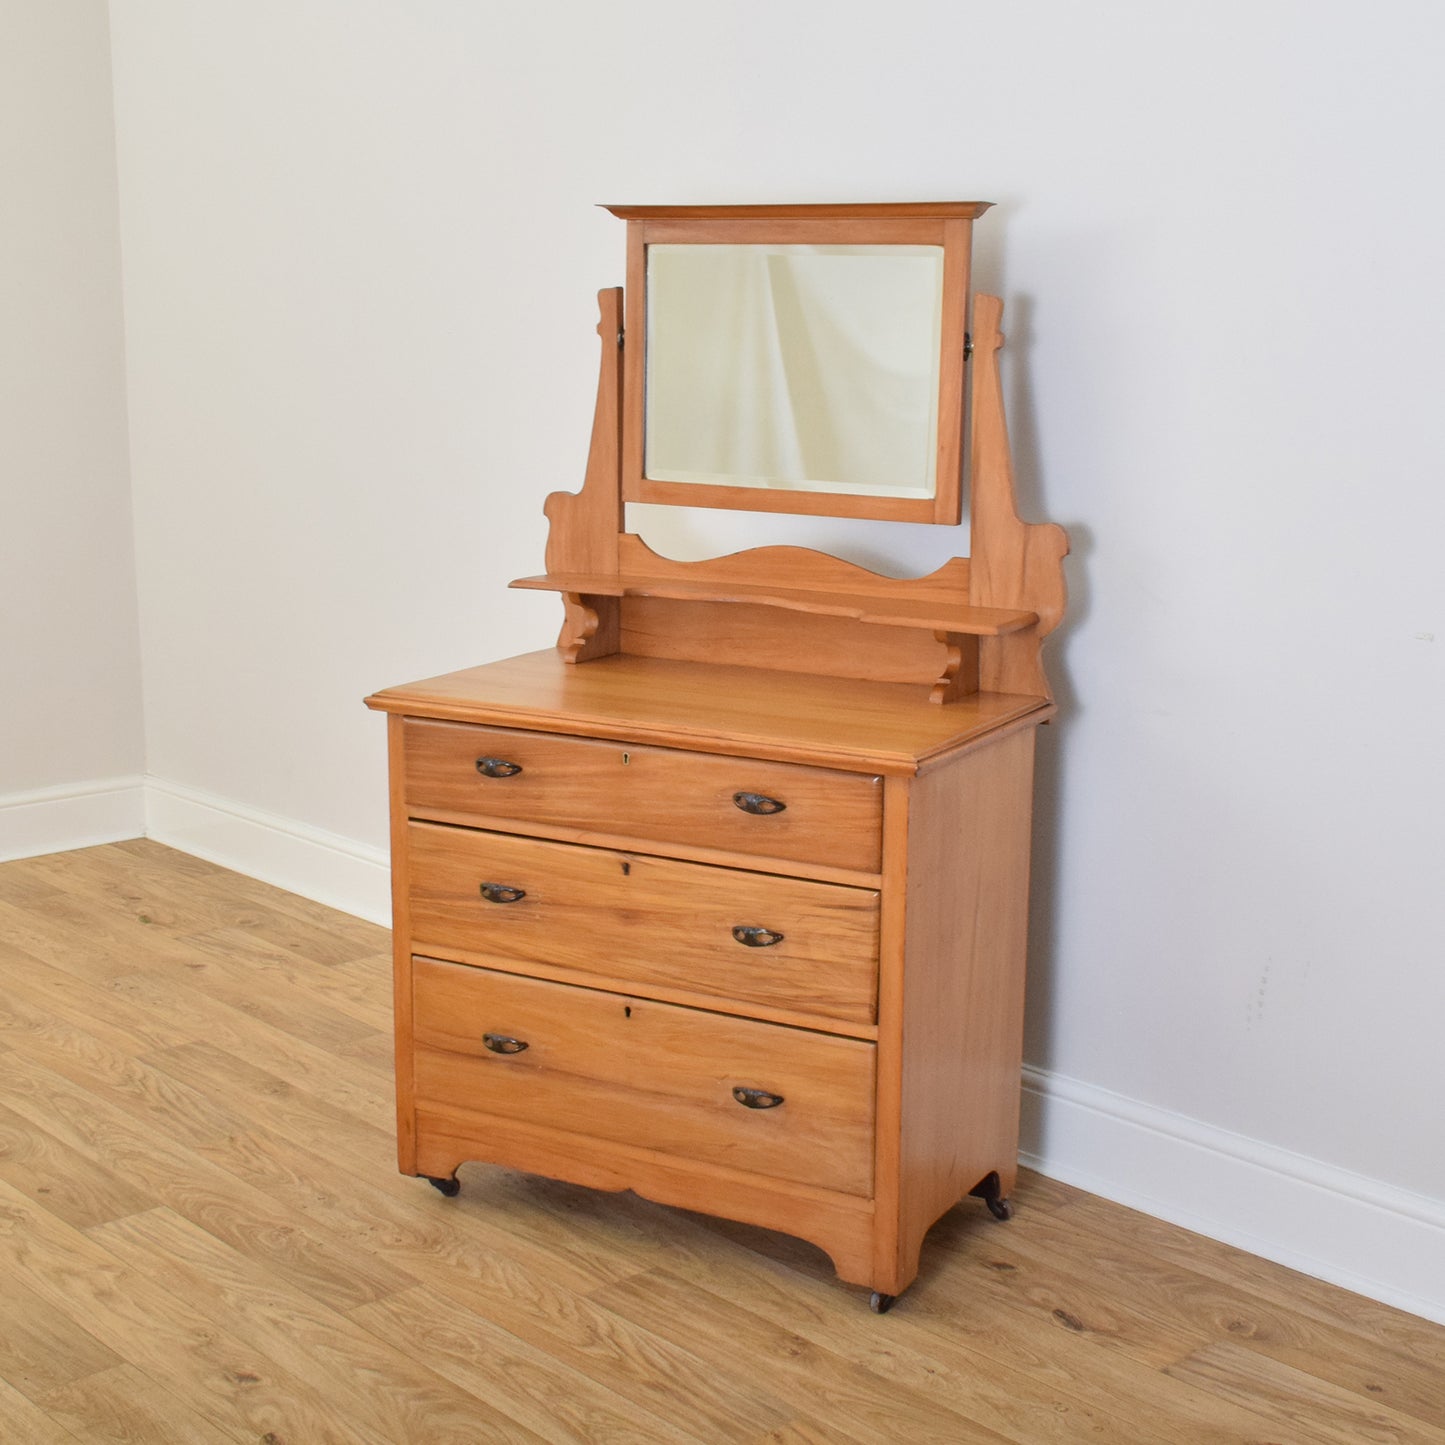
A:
{"x":751,"y":937}
{"x":757,"y":1098}
{"x":497,"y":768}
{"x":503,"y":1044}
{"x":501,"y":893}
{"x":759,"y":804}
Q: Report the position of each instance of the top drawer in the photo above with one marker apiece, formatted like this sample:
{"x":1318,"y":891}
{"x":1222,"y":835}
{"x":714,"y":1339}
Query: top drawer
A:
{"x":665,"y":795}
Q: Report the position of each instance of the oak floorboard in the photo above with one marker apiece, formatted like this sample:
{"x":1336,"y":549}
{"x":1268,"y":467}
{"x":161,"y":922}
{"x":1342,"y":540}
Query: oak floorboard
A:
{"x":175,"y":1174}
{"x":256,"y":1096}
{"x":1109,"y":1341}
{"x":270,"y":984}
{"x":37,"y":997}
{"x":718,"y":1400}
{"x":21,"y":886}
{"x":21,"y":1419}
{"x":805,"y":1432}
{"x":197,"y":896}
{"x":515,"y":1268}
{"x":1382,"y":1354}
{"x":125,"y":1081}
{"x":45,"y":933}
{"x":362,"y":987}
{"x":348,"y":986}
{"x":138,"y":890}
{"x":558,"y":1401}
{"x":1052,"y":1345}
{"x":207,"y":878}
{"x":43,"y":1347}
{"x":829,"y":1389}
{"x":73,"y":1186}
{"x":476,"y":1243}
{"x":170,"y":1339}
{"x":204,"y":1237}
{"x":375,"y":1051}
{"x":1298,"y":1400}
{"x":124,"y":1406}
{"x":1025,"y":1375}
{"x":93,"y":934}
{"x":1119,"y":1297}
{"x":387,"y":1391}
{"x":337,"y":1076}
{"x":100,"y":939}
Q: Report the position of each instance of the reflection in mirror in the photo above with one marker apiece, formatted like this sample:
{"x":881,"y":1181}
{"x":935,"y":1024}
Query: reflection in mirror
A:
{"x":811,"y":368}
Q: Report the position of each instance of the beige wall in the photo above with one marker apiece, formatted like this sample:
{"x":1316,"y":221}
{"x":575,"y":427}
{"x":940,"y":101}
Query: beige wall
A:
{"x":70,"y":698}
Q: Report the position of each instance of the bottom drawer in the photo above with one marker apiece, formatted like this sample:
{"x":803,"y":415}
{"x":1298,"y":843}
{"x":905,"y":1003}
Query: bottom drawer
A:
{"x":649,"y":1074}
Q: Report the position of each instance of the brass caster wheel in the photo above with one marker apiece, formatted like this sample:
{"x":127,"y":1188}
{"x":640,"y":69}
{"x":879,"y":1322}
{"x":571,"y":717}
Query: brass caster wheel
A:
{"x":450,"y":1187}
{"x":1000,"y":1208}
{"x":881,"y":1303}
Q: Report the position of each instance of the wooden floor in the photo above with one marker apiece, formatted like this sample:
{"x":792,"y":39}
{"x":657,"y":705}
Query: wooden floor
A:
{"x":203,"y":1238}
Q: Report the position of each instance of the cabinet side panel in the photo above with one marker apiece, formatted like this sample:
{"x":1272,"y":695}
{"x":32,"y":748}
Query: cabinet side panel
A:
{"x":401,"y":946}
{"x":963,"y":996}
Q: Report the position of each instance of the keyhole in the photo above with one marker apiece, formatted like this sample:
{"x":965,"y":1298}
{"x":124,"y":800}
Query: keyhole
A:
{"x":626,"y":758}
{"x":627,"y":1010}
{"x":626,"y":869}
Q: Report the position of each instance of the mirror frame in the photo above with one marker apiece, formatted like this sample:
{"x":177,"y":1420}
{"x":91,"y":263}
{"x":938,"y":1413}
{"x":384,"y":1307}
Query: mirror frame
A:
{"x":948,"y":225}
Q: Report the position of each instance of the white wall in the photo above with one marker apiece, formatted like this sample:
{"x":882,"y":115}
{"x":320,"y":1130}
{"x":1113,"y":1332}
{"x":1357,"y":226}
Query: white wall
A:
{"x":360,"y":255}
{"x":70,"y":703}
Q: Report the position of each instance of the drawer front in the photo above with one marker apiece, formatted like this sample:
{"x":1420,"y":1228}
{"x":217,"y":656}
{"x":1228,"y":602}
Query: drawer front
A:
{"x":803,"y":946}
{"x":654,"y":1075}
{"x":659,"y":794}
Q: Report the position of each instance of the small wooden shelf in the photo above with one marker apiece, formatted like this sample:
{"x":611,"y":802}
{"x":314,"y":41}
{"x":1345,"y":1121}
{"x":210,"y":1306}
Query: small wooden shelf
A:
{"x":939,"y":615}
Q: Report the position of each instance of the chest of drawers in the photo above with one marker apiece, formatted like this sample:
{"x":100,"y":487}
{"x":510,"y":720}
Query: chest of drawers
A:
{"x":724,"y":900}
{"x":744,"y":943}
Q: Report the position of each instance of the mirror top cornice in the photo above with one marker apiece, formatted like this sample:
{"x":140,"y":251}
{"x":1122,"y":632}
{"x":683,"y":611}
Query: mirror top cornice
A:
{"x":845,"y":210}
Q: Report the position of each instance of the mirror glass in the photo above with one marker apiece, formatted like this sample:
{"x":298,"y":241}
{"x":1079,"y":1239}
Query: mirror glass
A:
{"x":807,"y":368}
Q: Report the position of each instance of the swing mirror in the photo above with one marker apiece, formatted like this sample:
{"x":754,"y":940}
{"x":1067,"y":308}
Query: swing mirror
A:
{"x":797,"y":359}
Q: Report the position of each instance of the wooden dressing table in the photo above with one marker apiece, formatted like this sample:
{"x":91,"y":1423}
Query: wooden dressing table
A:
{"x":724,"y":900}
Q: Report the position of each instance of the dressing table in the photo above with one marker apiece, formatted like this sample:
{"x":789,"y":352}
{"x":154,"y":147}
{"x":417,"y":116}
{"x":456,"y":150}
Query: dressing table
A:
{"x":724,"y":899}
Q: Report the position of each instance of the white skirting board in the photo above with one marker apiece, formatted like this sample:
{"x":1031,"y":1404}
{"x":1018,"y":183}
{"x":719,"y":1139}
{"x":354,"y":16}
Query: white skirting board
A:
{"x":316,"y":864}
{"x":301,"y":859}
{"x":1376,"y":1240}
{"x":77,"y":815}
{"x":1379,"y":1241}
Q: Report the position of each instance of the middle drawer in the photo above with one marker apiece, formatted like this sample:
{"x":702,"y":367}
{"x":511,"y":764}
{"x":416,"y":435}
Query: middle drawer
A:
{"x":740,"y":937}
